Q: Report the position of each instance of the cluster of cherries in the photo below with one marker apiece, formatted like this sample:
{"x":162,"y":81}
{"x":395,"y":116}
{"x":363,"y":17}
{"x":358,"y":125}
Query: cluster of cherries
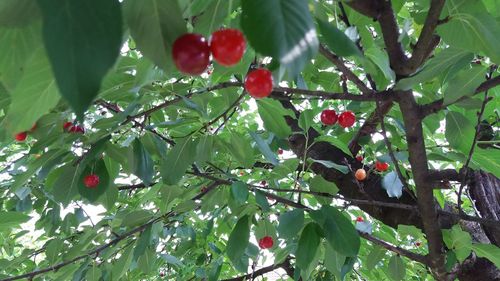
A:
{"x":191,"y":55}
{"x":23,"y":135}
{"x":360,"y":174}
{"x":346,"y":119}
{"x":71,"y":128}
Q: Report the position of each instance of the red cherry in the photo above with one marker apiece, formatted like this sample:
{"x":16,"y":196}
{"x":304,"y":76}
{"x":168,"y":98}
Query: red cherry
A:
{"x":418,"y":244}
{"x":266,"y":242}
{"x":359,"y":158}
{"x":21,"y":136}
{"x":259,"y":83}
{"x":76,"y":129}
{"x":191,"y":53}
{"x":91,"y":181}
{"x":227,"y":46}
{"x":359,"y":219}
{"x":263,"y":183}
{"x":347,"y":119}
{"x":67,"y":125}
{"x":280,"y":151}
{"x":381,"y":166}
{"x":328,"y":117}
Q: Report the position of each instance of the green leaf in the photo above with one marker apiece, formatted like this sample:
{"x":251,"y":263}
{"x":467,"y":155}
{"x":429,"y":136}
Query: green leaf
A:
{"x":123,"y":263}
{"x":306,"y":119}
{"x":241,"y":149}
{"x":66,"y":186}
{"x":272,"y":114}
{"x":447,"y":61}
{"x":93,"y":273}
{"x":239,"y":191}
{"x":179,"y":158}
{"x":339,"y":232}
{"x":238,"y":240}
{"x":464,"y":84}
{"x":477,"y":32}
{"x":68,"y":26}
{"x":264,"y":148}
{"x":12,"y":219}
{"x":337,"y":41}
{"x":282,"y":29}
{"x":146,"y":262}
{"x":37,"y":86}
{"x":374,"y":257}
{"x":487,"y":159}
{"x":92,"y":194}
{"x":290,"y":223}
{"x":308,"y":245}
{"x":334,"y":261}
{"x":261,"y":200}
{"x":204,"y":149}
{"x":12,"y":60}
{"x":18,"y":13}
{"x":319,"y":184}
{"x":488,"y":251}
{"x":459,"y":131}
{"x":459,"y":241}
{"x":136,"y":218}
{"x":381,"y":60}
{"x":154,"y":26}
{"x":392,"y":184}
{"x":396,"y":268}
{"x":329,"y":164}
{"x":141,"y":162}
{"x":53,"y":249}
{"x":212,"y":16}
{"x":336,"y":142}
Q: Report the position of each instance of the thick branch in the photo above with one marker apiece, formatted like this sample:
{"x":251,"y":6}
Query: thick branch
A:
{"x":418,"y":162}
{"x":427,"y":40}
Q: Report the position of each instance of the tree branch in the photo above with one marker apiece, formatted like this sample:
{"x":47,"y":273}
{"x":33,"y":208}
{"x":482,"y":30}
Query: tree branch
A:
{"x":395,"y":249}
{"x":250,"y":276}
{"x":427,"y":40}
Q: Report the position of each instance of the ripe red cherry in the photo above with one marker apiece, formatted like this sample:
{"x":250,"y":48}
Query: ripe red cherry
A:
{"x":418,"y":244}
{"x":21,"y":136}
{"x":263,"y":183}
{"x":266,"y":242}
{"x":67,"y":125}
{"x":259,"y":83}
{"x":191,"y":53}
{"x":381,"y":166}
{"x":359,"y":158}
{"x":227,"y":46}
{"x":91,"y":181}
{"x":280,"y":151}
{"x":359,"y":219}
{"x":76,"y":129}
{"x":347,"y":119}
{"x":328,"y":117}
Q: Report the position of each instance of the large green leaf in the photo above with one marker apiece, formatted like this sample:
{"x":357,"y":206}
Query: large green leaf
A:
{"x":459,"y":241}
{"x":37,"y":86}
{"x":155,"y":25}
{"x":446,"y":62}
{"x":273,"y":115}
{"x":339,"y":231}
{"x":337,"y":41}
{"x":308,"y":245}
{"x":178,"y":160}
{"x":83,"y":40}
{"x":464,"y":84}
{"x":141,"y":162}
{"x":334,"y":261}
{"x":488,"y":251}
{"x":396,"y":268}
{"x":12,"y":60}
{"x":475,"y":31}
{"x":18,"y":13}
{"x":282,"y":29}
{"x":290,"y":223}
{"x":459,"y":131}
{"x":66,"y":186}
{"x":238,"y":240}
{"x":12,"y":219}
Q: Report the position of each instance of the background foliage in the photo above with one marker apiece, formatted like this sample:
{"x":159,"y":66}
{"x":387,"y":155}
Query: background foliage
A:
{"x":191,"y":177}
